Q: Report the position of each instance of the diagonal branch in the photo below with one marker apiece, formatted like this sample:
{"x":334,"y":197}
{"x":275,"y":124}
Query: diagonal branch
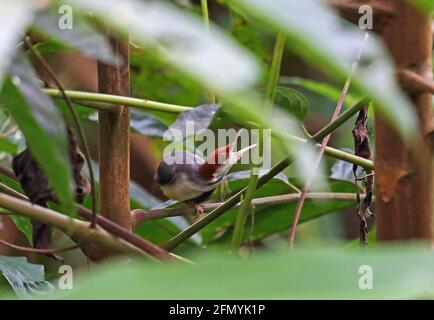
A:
{"x":279,"y":167}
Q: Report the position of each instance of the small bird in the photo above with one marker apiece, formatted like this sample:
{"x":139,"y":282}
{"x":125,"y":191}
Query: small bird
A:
{"x":185,"y":176}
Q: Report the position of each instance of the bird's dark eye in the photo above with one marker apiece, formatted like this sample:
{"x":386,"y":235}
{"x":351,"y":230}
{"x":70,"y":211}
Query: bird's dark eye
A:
{"x":164,"y":174}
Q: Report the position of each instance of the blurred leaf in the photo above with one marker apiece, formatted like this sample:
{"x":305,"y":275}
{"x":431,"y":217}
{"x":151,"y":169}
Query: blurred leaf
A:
{"x":82,"y":37}
{"x":427,"y":5}
{"x":343,"y":170}
{"x":25,"y":226}
{"x":7,"y":146}
{"x":302,"y":273}
{"x":25,"y":278}
{"x":181,"y":39}
{"x":322,"y":88}
{"x":292,"y":101}
{"x":146,"y":124}
{"x":14,"y":15}
{"x":45,"y":48}
{"x":191,"y":121}
{"x":318,"y":35}
{"x":40,"y":122}
{"x":276,"y":217}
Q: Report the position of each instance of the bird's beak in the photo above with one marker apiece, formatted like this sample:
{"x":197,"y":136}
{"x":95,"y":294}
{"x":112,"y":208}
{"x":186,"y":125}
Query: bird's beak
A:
{"x":238,"y":154}
{"x":234,"y":156}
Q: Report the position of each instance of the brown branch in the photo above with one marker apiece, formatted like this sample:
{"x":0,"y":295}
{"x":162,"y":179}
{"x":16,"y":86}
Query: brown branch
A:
{"x":76,"y":120}
{"x":324,"y":143}
{"x":416,"y":83}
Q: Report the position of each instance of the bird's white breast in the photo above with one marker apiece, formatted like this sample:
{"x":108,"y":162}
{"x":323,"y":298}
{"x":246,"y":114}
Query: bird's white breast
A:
{"x":182,"y":189}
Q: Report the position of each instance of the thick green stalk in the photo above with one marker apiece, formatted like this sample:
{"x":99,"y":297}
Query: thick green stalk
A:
{"x":245,"y":209}
{"x":205,"y":15}
{"x":113,"y":99}
{"x":275,"y":69}
{"x":279,"y":167}
{"x":105,"y":101}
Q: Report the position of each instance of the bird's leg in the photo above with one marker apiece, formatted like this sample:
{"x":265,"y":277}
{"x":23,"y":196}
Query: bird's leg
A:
{"x":199,"y":210}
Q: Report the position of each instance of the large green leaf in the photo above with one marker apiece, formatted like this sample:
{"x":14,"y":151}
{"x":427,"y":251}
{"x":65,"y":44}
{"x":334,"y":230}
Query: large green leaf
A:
{"x":302,"y":273}
{"x":181,"y":39}
{"x":317,"y":34}
{"x":322,"y":88}
{"x":292,"y":101}
{"x":43,"y":127}
{"x":15,"y":15}
{"x":26,"y":279}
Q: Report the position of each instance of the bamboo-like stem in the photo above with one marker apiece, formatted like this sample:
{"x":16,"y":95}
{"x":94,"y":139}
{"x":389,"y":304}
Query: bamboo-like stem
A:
{"x":110,"y":99}
{"x":114,"y":138}
{"x":140,"y":216}
{"x":106,"y":101}
{"x":279,"y":167}
{"x":205,"y":16}
{"x":275,"y":69}
{"x":246,"y":208}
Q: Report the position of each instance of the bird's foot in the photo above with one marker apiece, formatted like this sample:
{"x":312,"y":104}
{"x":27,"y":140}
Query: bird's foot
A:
{"x":199,"y":210}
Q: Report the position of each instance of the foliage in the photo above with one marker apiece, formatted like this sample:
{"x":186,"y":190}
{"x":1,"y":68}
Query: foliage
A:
{"x":175,"y":62}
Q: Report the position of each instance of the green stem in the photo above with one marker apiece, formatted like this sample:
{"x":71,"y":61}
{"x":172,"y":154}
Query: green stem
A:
{"x":246,"y":206}
{"x":279,"y":167}
{"x":275,"y":69}
{"x":245,"y":209}
{"x":113,"y":99}
{"x":103,"y":101}
{"x":205,"y":16}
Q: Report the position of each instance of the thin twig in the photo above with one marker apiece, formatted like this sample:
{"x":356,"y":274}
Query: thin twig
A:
{"x":140,"y":216}
{"x":34,"y":250}
{"x":77,"y":124}
{"x":324,"y":143}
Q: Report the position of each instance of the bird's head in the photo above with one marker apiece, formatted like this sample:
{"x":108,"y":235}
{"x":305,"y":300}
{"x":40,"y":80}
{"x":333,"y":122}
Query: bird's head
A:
{"x":220,"y":160}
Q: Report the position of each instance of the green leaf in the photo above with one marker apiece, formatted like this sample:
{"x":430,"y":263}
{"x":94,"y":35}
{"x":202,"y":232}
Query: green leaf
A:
{"x":24,"y":225}
{"x":275,"y":218}
{"x":302,"y":273}
{"x":42,"y":126}
{"x":7,"y":146}
{"x":14,"y":15}
{"x":180,"y":39}
{"x":26,"y":279}
{"x":318,"y":35}
{"x":292,"y":101}
{"x":82,"y":37}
